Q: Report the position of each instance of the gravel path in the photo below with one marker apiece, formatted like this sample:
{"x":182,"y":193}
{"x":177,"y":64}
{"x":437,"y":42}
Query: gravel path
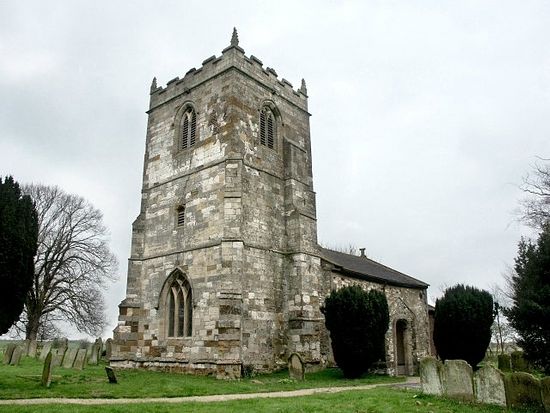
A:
{"x":411,"y":382}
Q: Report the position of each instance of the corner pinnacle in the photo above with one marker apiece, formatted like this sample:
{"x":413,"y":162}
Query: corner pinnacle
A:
{"x":154,"y":85}
{"x":303,"y":87}
{"x":234,"y":38}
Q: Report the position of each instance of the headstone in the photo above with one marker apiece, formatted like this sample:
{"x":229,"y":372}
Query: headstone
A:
{"x":296,"y":368}
{"x":57,"y":357}
{"x":70,"y":355}
{"x":545,"y":393}
{"x":80,"y":359}
{"x":523,"y":390}
{"x":489,"y":386}
{"x":8,"y":353}
{"x":63,"y":344}
{"x":47,"y":371}
{"x":46,"y":347}
{"x":99,"y":343}
{"x":93,"y":359}
{"x":32,"y":348}
{"x":26,"y":345}
{"x":504,"y":362}
{"x":108,"y":348}
{"x":111,"y":375}
{"x":430,"y":376}
{"x":457,"y":380}
{"x":16,"y":356}
{"x":518,"y":362}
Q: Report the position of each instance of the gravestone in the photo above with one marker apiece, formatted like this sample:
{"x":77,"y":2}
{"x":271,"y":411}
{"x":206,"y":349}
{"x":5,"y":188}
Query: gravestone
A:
{"x":47,"y":371}
{"x":296,"y":368}
{"x":16,"y":356}
{"x":545,"y":393}
{"x":457,"y":380}
{"x":57,"y":356}
{"x":111,"y":375}
{"x":518,"y":362}
{"x":26,"y":345}
{"x":99,"y":343}
{"x":46,"y":347}
{"x":430,"y":376}
{"x":70,"y":355}
{"x":63,"y":344}
{"x":80,"y":359}
{"x":504,"y":363}
{"x":8,"y":353}
{"x":489,"y":386}
{"x":523,"y":390}
{"x":108,"y":348}
{"x":94,"y":355}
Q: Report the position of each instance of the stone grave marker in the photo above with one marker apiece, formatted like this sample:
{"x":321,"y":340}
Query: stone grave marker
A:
{"x":108,"y":348}
{"x":111,"y":375}
{"x":63,"y":344}
{"x":296,"y":369}
{"x":545,"y":392}
{"x":430,"y":376}
{"x":99,"y":343}
{"x":70,"y":355}
{"x":57,"y":356}
{"x":47,"y":371}
{"x":523,"y":390}
{"x":80,"y":359}
{"x":489,"y":386}
{"x":16,"y":356}
{"x":94,"y":359}
{"x":518,"y":361}
{"x":26,"y":345}
{"x":46,"y":347}
{"x":457,"y":380}
{"x":8,"y":353}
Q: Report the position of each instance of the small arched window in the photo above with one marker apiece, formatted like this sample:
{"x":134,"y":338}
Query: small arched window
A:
{"x":188,"y":128}
{"x":179,"y":308}
{"x":267,"y":127}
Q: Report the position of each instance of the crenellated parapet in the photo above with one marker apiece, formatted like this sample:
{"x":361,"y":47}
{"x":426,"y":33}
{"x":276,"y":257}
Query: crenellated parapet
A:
{"x":232,"y":58}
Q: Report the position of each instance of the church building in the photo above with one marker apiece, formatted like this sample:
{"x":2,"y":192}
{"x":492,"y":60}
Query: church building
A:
{"x":225,"y":273}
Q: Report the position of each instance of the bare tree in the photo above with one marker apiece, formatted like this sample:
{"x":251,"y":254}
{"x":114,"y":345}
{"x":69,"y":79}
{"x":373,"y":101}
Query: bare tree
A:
{"x":502,"y":333}
{"x":72,"y":265}
{"x":535,"y":207}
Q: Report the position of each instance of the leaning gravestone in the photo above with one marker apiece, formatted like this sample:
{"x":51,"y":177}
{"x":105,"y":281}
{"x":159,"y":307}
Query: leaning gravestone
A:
{"x":70,"y":355}
{"x":57,"y":357}
{"x":63,"y":344}
{"x":16,"y":356}
{"x":108,"y":348}
{"x":46,"y":347}
{"x":545,"y":393}
{"x":430,"y":376}
{"x":8,"y":353}
{"x":523,"y":390}
{"x":111,"y":375}
{"x":489,"y":386}
{"x":47,"y":371}
{"x":80,"y":359}
{"x":457,"y":380}
{"x":94,"y":355}
{"x":99,"y":343}
{"x":296,"y":368}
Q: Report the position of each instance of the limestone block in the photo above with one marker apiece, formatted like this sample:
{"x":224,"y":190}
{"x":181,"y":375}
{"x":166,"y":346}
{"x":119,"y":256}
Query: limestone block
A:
{"x":457,"y":379}
{"x":430,"y":376}
{"x":523,"y":390}
{"x":489,"y":386}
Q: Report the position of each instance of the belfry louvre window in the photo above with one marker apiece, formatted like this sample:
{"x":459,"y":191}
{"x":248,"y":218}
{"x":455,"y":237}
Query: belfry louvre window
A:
{"x":188,"y":128}
{"x":180,"y":310}
{"x":267,"y":127}
{"x":180,"y":212}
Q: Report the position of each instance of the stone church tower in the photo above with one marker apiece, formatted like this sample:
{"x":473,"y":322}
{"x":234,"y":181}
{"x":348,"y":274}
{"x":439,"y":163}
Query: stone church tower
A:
{"x":225,"y":272}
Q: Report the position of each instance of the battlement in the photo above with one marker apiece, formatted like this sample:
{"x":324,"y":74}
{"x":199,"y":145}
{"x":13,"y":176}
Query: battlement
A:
{"x":233,"y":58}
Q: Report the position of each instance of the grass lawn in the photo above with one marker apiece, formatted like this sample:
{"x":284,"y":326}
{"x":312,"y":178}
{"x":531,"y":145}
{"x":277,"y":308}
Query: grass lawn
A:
{"x":23,"y":381}
{"x":380,"y":400}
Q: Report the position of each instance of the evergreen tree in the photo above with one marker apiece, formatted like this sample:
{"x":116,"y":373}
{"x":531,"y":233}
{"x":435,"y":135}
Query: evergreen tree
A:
{"x":357,"y":321}
{"x":462,"y":324}
{"x":530,"y":290}
{"x":18,"y":244}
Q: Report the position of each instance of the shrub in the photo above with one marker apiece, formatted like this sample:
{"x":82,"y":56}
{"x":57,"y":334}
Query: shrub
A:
{"x":462,"y":325}
{"x":357,"y":321}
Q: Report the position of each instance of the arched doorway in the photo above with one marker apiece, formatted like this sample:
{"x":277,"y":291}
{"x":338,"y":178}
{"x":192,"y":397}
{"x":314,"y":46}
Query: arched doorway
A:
{"x":401,"y":347}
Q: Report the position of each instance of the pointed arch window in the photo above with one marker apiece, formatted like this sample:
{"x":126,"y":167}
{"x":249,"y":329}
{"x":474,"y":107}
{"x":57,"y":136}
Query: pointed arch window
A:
{"x":188,"y":128}
{"x":179,"y":308}
{"x":267,"y":127}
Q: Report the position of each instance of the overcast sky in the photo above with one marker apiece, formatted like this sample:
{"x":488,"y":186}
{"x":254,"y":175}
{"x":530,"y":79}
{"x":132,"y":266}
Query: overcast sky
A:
{"x":425,"y":115}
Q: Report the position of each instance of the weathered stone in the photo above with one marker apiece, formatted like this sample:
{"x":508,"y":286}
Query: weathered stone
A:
{"x":25,"y":347}
{"x":518,"y":361}
{"x":489,"y":386}
{"x":93,"y":357}
{"x":80,"y":360}
{"x":296,"y":368}
{"x":504,"y":363}
{"x":99,"y":344}
{"x":69,"y":358}
{"x":545,"y":393}
{"x":58,"y":355}
{"x":111,"y":375}
{"x":457,"y":379}
{"x":46,"y":347}
{"x":47,"y":371}
{"x":523,"y":390}
{"x":430,"y":376}
{"x":108,"y":348}
{"x":8,"y":352}
{"x":16,"y":356}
